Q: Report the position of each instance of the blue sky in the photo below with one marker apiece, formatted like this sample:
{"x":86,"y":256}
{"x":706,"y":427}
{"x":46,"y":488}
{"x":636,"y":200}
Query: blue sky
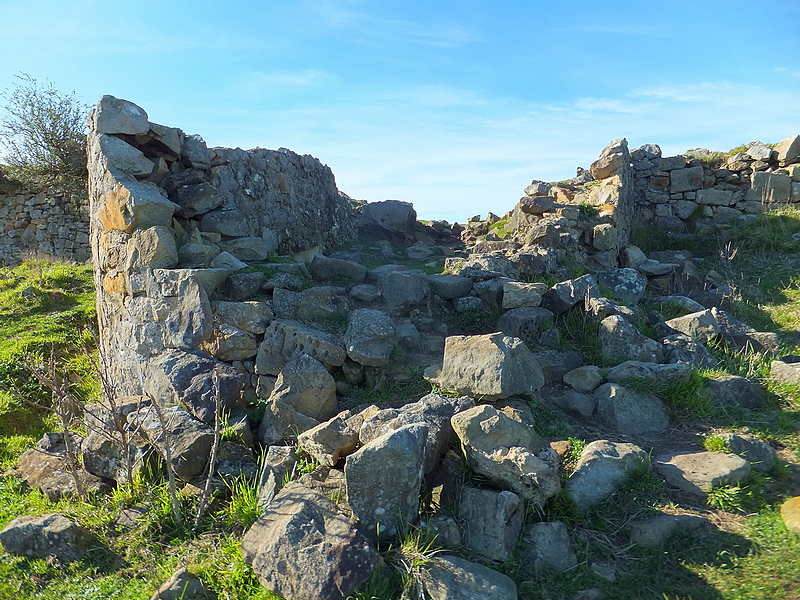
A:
{"x":452,"y":105}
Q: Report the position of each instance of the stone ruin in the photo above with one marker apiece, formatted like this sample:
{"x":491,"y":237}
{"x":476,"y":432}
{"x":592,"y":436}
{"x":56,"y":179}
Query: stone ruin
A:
{"x":242,"y":277}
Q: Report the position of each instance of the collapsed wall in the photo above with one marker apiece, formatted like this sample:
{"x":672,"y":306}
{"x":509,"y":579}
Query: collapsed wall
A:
{"x":170,"y":221}
{"x":586,"y":222}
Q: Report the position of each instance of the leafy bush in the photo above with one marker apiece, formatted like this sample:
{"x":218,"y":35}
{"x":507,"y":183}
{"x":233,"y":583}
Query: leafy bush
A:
{"x":43,"y":134}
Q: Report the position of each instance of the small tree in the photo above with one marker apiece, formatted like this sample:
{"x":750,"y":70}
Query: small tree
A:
{"x":43,"y":134}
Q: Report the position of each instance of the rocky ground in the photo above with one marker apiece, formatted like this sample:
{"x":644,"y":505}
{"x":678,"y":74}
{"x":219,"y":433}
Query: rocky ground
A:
{"x":549,"y":401}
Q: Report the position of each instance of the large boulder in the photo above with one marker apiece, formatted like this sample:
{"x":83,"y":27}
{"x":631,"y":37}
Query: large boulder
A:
{"x":383,"y":480}
{"x":45,"y":536}
{"x":549,"y":547}
{"x":620,"y":341}
{"x":494,"y":521}
{"x":433,"y":410}
{"x":603,"y":466}
{"x":284,"y":338}
{"x":452,"y":578}
{"x":188,"y":379}
{"x":394,"y":218}
{"x":172,"y":429}
{"x":508,"y":452}
{"x":370,"y":337}
{"x":489,"y":367}
{"x":303,"y":546}
{"x":630,"y":411}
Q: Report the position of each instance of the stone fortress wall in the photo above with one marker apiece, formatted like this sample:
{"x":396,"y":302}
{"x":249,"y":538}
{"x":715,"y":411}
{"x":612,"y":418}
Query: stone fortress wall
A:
{"x":171,"y":222}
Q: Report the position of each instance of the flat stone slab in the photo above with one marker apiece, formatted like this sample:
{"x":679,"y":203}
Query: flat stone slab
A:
{"x":698,"y":472}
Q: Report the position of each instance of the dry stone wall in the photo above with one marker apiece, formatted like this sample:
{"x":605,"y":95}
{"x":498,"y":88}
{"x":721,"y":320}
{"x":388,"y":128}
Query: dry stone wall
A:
{"x":43,"y":224}
{"x":684,"y":192}
{"x":171,"y":221}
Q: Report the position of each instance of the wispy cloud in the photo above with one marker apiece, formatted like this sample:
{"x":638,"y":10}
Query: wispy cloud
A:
{"x":282,"y":81}
{"x":362,"y":26}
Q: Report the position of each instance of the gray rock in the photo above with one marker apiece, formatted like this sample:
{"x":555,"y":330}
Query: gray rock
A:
{"x":197,"y":199}
{"x":732,"y":390}
{"x":365,"y":292}
{"x":196,"y":256}
{"x":253,"y":317}
{"x":44,"y":536}
{"x":760,"y":455}
{"x":549,"y":547}
{"x":743,"y":337}
{"x":419,"y":251}
{"x":335,"y":268}
{"x":788,"y":149}
{"x":626,"y":284}
{"x":114,"y":115}
{"x":329,"y":441}
{"x":649,"y":371}
{"x":449,"y":286}
{"x":392,"y":216}
{"x":228,"y":343}
{"x":185,"y":378}
{"x":242,"y":286}
{"x":123,"y":156}
{"x":517,"y":294}
{"x":538,"y":188}
{"x":227,"y":222}
{"x":686,"y":180}
{"x":152,"y":248}
{"x":235,"y":461}
{"x":556,"y":363}
{"x":433,"y":411}
{"x":525,"y":322}
{"x":505,"y":451}
{"x":494,"y":521}
{"x":403,"y":289}
{"x":601,"y":469}
{"x":681,"y":348}
{"x":570,"y":401}
{"x":620,"y":341}
{"x":653,"y":533}
{"x":601,"y":308}
{"x":383,"y":480}
{"x":563,"y":296}
{"x":306,"y":386}
{"x":584,"y":379}
{"x":785,"y":371}
{"x":248,"y":249}
{"x":484,"y":428}
{"x":489,"y":367}
{"x":453,"y":578}
{"x":283,"y":338}
{"x":189,"y":440}
{"x":103,"y":456}
{"x":370,"y":337}
{"x":536,"y":205}
{"x":698,"y":472}
{"x":279,"y":462}
{"x":605,"y":237}
{"x":194,"y":152}
{"x":136,"y":205}
{"x":51,"y":474}
{"x":183,"y":586}
{"x":630,"y":412}
{"x":770,"y":188}
{"x":701,"y":325}
{"x":303,"y":546}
